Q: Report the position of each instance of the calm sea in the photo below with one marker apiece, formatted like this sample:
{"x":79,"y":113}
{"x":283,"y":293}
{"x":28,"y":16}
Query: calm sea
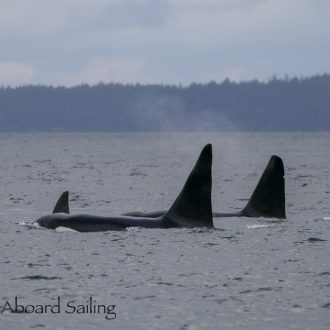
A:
{"x":245,"y":274}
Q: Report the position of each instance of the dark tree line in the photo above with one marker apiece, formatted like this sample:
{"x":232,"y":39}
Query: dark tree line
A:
{"x":277,"y":105}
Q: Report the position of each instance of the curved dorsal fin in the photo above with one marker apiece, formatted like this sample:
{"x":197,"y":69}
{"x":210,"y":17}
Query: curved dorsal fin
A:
{"x":193,"y":207}
{"x":268,"y":198}
{"x":62,"y":205}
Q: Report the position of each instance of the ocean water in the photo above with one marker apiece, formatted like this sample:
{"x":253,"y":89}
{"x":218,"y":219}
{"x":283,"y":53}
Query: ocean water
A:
{"x":245,"y":274}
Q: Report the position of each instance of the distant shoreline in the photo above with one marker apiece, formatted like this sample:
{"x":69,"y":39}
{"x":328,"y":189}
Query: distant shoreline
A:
{"x":278,"y":105}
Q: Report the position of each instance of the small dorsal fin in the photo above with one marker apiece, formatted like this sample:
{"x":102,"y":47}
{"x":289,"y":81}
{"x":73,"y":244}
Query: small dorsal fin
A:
{"x":268,"y":198}
{"x":193,"y":207}
{"x":62,"y":205}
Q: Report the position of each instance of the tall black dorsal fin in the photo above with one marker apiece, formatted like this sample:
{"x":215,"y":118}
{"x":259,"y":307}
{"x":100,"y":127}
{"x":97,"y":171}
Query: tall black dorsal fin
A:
{"x":268,"y":198}
{"x":193,"y":207}
{"x":62,"y":205}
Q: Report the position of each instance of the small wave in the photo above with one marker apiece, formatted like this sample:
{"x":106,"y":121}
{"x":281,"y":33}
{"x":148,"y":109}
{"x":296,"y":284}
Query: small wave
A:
{"x":29,"y":223}
{"x":37,"y":278}
{"x":316,"y":239}
{"x":136,"y":172}
{"x":326,"y":218}
{"x":133,"y":228}
{"x":200,"y":229}
{"x":256,"y":226}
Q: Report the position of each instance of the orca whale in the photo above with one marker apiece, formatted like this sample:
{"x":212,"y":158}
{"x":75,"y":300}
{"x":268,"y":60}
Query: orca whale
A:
{"x":192,"y":207}
{"x":267,"y":199}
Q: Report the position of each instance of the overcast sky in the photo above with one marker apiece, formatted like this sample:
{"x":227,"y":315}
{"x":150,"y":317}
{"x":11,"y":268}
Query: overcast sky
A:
{"x":68,"y":42}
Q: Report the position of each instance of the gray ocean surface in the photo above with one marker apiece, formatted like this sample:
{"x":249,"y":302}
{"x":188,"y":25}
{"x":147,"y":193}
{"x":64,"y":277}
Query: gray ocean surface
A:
{"x":246,"y":274}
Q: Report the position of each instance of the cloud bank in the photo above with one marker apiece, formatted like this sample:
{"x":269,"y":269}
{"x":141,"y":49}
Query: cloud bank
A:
{"x":68,"y":42}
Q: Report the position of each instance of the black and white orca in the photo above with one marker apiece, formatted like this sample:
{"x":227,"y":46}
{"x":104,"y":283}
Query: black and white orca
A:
{"x":192,"y":207}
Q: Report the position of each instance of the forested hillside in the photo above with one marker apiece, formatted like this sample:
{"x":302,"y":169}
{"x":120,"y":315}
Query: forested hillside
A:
{"x":277,"y":105}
